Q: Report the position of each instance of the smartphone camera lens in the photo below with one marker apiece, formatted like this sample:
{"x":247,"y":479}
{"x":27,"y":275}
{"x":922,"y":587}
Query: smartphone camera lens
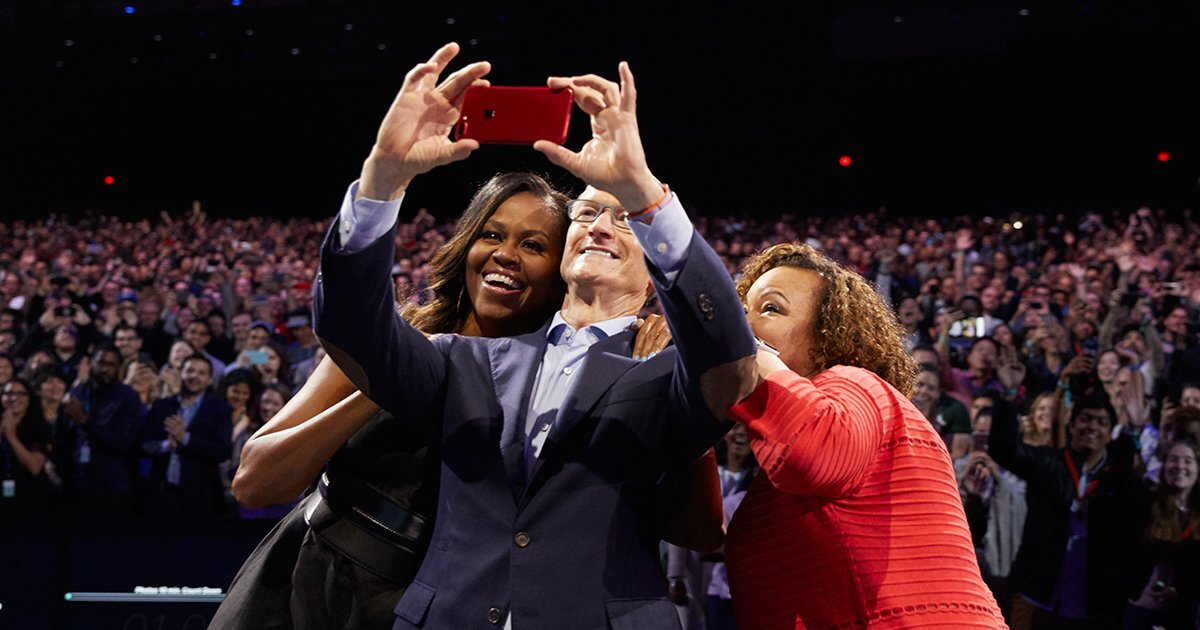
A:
{"x":489,"y":114}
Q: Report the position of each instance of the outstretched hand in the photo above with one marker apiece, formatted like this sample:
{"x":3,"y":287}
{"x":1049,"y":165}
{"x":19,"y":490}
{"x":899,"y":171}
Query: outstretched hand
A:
{"x":613,"y":160}
{"x":414,"y":135}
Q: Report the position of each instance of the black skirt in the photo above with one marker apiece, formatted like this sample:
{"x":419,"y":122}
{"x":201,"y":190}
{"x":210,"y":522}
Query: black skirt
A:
{"x":303,"y":576}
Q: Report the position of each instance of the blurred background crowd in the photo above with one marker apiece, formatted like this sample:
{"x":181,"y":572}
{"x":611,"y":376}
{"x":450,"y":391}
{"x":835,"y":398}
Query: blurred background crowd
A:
{"x":117,"y":338}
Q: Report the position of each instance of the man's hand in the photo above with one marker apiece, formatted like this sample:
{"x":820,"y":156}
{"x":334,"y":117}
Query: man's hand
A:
{"x":413,"y":137}
{"x":613,"y":160}
{"x":74,"y":409}
{"x":175,"y":428}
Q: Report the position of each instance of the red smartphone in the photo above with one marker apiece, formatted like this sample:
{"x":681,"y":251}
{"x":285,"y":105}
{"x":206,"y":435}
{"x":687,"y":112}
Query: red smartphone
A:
{"x":514,"y":115}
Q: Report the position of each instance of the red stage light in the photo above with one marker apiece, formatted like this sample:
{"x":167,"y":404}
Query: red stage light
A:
{"x":109,"y":180}
{"x":1164,"y":156}
{"x":844,"y":161}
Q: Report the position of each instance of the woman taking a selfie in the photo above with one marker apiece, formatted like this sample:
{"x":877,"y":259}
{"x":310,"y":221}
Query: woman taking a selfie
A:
{"x":857,"y":519}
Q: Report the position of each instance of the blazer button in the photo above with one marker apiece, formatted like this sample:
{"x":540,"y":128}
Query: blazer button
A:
{"x":494,"y":616}
{"x":705,"y":304}
{"x":522,"y":539}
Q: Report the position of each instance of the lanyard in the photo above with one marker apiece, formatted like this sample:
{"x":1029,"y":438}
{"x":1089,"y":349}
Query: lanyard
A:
{"x":1075,"y":478}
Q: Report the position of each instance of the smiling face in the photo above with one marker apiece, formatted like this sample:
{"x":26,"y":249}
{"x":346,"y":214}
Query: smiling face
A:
{"x":1179,"y":467}
{"x":1043,"y":414}
{"x":1090,"y":430}
{"x":512,"y":266}
{"x":598,"y":253}
{"x":237,"y":395}
{"x":15,"y":398}
{"x":180,"y":350}
{"x":928,"y":387}
{"x":196,"y":376}
{"x":781,"y":308}
{"x":737,"y":443}
{"x":269,"y":404}
{"x":1107,"y":366}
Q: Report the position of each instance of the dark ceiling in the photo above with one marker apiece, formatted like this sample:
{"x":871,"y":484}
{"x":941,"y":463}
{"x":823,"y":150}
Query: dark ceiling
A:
{"x":271,"y":106}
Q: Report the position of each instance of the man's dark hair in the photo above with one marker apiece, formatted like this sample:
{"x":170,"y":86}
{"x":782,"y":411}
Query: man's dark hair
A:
{"x":202,"y":322}
{"x":989,"y":339}
{"x":1094,"y":400}
{"x":198,"y":357}
{"x":105,"y":347}
{"x":123,"y":326}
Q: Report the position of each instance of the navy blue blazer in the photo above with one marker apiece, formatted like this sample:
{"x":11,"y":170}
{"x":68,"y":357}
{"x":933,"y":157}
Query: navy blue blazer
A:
{"x":209,"y":444}
{"x":576,"y":544}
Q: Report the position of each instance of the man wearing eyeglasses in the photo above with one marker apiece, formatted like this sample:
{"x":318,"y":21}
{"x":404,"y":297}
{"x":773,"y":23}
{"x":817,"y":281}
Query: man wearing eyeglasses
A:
{"x":554,"y":442}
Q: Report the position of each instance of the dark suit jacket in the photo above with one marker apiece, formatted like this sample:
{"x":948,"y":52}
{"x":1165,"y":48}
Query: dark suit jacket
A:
{"x":200,"y":488}
{"x":114,"y":418}
{"x":575,"y":545}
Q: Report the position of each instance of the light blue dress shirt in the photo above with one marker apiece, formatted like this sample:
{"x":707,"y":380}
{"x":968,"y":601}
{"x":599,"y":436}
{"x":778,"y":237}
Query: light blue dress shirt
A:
{"x":665,"y":242}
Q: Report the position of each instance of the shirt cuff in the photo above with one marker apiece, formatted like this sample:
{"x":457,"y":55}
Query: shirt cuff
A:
{"x":165,"y":446}
{"x":666,"y":240}
{"x":361,"y":222}
{"x":186,"y":438}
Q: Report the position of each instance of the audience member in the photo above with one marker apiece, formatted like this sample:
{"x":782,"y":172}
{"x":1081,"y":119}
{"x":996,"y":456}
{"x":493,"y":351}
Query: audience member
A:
{"x":187,"y":437}
{"x":107,"y":415}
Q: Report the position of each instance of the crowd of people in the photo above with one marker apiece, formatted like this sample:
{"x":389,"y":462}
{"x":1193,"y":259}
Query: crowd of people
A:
{"x":113,"y":331}
{"x":1053,"y":358}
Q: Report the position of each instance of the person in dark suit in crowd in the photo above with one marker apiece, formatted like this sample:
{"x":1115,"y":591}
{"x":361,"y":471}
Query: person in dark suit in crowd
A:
{"x":107,"y":415}
{"x":187,"y":436}
{"x":553,"y":442}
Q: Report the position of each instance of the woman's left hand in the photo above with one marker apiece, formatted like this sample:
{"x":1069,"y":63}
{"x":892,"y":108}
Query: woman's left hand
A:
{"x":653,"y":335}
{"x":769,"y":363}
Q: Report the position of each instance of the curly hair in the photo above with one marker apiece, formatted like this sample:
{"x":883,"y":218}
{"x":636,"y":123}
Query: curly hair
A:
{"x":852,"y":324}
{"x":447,"y":309}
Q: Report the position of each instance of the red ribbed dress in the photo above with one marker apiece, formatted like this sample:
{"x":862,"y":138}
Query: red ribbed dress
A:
{"x":857,"y":521}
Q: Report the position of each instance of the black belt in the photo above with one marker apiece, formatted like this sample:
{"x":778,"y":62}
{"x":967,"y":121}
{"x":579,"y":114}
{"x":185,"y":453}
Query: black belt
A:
{"x":369,"y":528}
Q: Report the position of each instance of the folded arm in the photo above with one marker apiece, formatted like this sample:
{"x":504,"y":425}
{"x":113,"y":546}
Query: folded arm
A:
{"x":814,"y":440}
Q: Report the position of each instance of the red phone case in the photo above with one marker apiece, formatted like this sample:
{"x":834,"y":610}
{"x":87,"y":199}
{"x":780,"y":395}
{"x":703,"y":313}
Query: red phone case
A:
{"x":514,"y":115}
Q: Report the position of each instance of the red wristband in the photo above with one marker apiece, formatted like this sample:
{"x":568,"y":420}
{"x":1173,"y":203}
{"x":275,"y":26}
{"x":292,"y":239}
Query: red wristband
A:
{"x":653,"y":206}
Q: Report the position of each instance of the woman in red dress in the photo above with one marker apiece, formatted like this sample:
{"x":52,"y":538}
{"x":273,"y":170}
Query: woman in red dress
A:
{"x":857,"y":521}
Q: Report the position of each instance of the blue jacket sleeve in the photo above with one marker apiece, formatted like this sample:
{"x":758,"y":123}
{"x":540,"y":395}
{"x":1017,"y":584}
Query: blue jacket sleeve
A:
{"x":355,"y":317}
{"x":709,"y":329}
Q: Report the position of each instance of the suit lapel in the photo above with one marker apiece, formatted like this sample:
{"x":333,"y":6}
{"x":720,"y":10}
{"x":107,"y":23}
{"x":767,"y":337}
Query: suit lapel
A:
{"x":514,"y":362}
{"x":606,"y":361}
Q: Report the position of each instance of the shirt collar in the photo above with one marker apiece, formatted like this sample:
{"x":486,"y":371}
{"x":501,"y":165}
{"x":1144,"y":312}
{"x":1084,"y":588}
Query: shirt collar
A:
{"x":556,"y":334}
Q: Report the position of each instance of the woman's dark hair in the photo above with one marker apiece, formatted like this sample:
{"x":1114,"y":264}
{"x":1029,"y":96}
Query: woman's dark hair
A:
{"x":253,"y":411}
{"x":33,"y":411}
{"x":238,"y":376}
{"x":284,"y":375}
{"x":1164,"y":511}
{"x":447,"y":309}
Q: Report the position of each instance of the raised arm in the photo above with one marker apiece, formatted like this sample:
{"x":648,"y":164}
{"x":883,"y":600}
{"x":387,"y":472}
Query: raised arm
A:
{"x":354,"y":303}
{"x":810,"y":439}
{"x":1006,"y":447}
{"x":716,"y":348}
{"x":287,"y":453}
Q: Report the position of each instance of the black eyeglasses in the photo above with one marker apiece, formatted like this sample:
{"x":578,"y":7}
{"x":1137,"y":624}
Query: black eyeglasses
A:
{"x":587,"y":211}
